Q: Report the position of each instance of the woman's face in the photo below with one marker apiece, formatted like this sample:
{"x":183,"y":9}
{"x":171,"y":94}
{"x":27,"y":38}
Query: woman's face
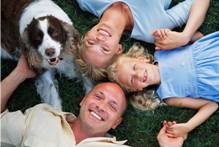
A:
{"x":101,"y":44}
{"x":135,"y":73}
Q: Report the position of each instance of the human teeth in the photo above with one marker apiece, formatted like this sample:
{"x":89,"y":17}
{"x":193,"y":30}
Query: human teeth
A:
{"x":104,"y":32}
{"x":95,"y":115}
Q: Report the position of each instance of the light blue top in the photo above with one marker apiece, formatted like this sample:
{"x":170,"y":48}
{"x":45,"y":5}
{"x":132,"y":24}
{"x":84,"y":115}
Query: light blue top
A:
{"x":148,"y":15}
{"x":191,"y":71}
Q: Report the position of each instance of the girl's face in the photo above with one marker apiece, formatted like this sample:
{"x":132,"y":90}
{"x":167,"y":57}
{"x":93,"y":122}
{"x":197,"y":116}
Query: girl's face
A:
{"x":136,"y":73}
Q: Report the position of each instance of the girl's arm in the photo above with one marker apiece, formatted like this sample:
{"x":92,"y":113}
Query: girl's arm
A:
{"x":196,"y":17}
{"x":205,"y":109}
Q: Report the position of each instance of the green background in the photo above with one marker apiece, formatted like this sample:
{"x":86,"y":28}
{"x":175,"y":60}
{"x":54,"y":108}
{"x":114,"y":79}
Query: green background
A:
{"x":140,"y":128}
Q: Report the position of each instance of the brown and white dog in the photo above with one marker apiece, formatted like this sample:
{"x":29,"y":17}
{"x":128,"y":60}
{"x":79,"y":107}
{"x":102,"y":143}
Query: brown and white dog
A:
{"x":45,"y":34}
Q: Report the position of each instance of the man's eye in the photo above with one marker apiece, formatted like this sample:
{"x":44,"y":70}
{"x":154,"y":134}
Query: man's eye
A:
{"x":98,"y":97}
{"x":113,"y":107}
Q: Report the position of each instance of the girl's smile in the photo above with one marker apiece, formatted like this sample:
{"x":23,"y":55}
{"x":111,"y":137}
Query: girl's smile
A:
{"x":136,"y":73}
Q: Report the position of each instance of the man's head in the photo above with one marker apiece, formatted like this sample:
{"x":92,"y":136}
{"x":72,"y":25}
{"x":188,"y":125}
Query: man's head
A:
{"x":102,"y":108}
{"x":101,"y":44}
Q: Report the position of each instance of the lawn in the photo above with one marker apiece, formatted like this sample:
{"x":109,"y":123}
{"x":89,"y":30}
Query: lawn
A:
{"x":140,"y":128}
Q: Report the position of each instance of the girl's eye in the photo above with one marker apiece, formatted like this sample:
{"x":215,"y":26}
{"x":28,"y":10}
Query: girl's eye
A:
{"x":134,"y":67}
{"x":132,"y":80}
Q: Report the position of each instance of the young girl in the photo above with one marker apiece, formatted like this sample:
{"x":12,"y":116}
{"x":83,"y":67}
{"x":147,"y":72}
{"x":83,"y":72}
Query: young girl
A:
{"x":187,"y":77}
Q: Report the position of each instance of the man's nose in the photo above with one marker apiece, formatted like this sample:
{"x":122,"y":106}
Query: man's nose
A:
{"x":101,"y":107}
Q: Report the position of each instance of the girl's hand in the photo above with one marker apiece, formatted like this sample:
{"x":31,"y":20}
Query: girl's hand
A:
{"x":177,"y":130}
{"x":23,"y":69}
{"x":166,"y":141}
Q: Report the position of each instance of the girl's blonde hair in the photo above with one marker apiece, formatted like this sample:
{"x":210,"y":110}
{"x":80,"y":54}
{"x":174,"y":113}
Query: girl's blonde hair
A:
{"x":143,"y":100}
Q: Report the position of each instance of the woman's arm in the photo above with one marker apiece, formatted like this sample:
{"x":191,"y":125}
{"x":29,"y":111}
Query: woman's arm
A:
{"x":172,"y":39}
{"x":14,"y":79}
{"x":196,"y":17}
{"x":205,"y":109}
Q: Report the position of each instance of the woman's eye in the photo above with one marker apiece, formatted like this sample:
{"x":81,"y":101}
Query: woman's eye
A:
{"x":90,"y":42}
{"x":106,"y":50}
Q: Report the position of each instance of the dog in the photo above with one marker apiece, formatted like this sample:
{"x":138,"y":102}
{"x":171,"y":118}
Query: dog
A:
{"x":42,"y":31}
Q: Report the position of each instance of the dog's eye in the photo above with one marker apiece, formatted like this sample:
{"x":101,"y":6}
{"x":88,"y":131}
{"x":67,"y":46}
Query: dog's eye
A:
{"x":53,"y":32}
{"x":38,"y":37}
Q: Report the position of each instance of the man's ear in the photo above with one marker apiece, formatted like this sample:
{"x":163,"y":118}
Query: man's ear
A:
{"x":120,"y":49}
{"x":83,"y":100}
{"x":118,"y":121}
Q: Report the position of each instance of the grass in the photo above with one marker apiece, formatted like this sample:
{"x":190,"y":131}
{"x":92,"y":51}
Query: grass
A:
{"x":140,"y":128}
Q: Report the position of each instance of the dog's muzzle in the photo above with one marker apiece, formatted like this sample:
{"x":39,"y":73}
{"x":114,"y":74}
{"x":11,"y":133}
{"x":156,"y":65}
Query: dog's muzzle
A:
{"x":50,"y":52}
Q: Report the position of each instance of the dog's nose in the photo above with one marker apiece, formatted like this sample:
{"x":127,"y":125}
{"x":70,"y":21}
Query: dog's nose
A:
{"x":50,"y":52}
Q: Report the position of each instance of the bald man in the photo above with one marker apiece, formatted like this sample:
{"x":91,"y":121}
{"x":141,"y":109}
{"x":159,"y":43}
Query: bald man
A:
{"x":43,"y":126}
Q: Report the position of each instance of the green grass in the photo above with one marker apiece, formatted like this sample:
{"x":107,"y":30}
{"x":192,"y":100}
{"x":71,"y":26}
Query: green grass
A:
{"x":140,"y":128}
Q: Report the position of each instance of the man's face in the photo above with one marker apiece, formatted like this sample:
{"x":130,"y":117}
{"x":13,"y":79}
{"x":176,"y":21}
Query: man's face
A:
{"x":102,"y":108}
{"x":101,"y":44}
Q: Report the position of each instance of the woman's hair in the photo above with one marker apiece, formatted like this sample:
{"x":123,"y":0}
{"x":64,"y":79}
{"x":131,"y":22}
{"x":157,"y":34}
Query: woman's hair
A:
{"x":87,"y":69}
{"x":143,"y":100}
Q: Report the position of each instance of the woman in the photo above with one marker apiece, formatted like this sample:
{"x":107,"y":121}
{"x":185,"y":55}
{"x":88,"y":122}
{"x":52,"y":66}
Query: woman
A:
{"x":142,"y":18}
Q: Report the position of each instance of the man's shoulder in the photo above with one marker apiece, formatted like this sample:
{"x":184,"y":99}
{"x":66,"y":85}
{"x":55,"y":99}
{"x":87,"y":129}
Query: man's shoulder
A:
{"x":45,"y":108}
{"x":103,"y":142}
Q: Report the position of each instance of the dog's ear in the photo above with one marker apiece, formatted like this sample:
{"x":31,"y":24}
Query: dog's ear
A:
{"x":73,"y":42}
{"x":33,"y":57}
{"x":72,"y":32}
{"x":34,"y":60}
{"x":24,"y":39}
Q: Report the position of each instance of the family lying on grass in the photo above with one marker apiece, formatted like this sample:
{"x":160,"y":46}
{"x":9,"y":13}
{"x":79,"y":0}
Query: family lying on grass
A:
{"x":185,"y":76}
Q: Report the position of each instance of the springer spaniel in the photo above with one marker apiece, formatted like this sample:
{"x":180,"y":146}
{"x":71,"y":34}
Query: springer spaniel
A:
{"x":45,"y":34}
